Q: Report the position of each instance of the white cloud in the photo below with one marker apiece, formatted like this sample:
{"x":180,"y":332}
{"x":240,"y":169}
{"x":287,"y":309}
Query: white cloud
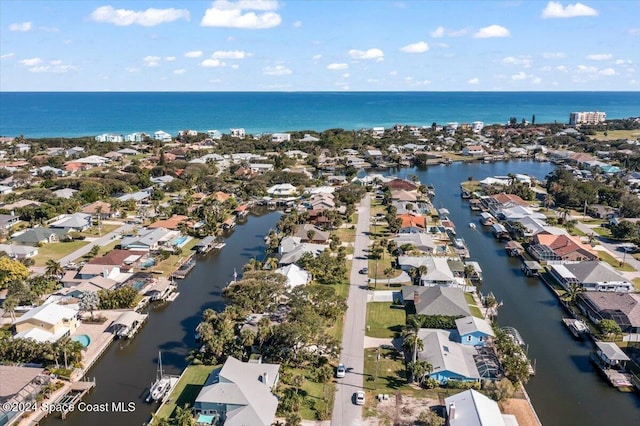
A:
{"x":600,"y":56}
{"x":419,"y":47}
{"x":193,"y":54}
{"x":525,"y":61}
{"x":169,"y":58}
{"x":132,"y":69}
{"x":277,"y":70}
{"x":212,"y":63}
{"x":608,"y":72}
{"x":474,"y":80}
{"x":224,"y":13}
{"x":341,"y":66}
{"x":297,"y":24}
{"x":235,"y":66}
{"x":536,"y":80}
{"x":229,"y":54}
{"x":554,"y":55}
{"x":623,"y":62}
{"x":393,"y":73}
{"x":442,"y":45}
{"x":20,"y":26}
{"x":151,"y":61}
{"x":31,"y":61}
{"x":55,"y":62}
{"x":180,"y":71}
{"x":7,"y":55}
{"x":562,"y":68}
{"x":147,"y":18}
{"x":555,"y":9}
{"x":587,"y":69}
{"x":437,"y":33}
{"x":55,"y":66}
{"x":316,"y":57}
{"x":373,"y":53}
{"x":520,"y":76}
{"x":346,"y":75}
{"x":492,"y":31}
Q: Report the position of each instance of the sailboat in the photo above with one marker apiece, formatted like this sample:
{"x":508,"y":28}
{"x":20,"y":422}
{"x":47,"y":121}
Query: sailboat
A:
{"x":160,"y":388}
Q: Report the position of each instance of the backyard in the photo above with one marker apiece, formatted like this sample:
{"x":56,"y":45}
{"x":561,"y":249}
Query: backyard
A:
{"x":57,"y":251}
{"x":384,"y":319}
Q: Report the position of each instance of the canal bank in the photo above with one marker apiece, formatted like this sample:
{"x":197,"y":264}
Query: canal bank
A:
{"x":566,"y":389}
{"x":127,"y":368}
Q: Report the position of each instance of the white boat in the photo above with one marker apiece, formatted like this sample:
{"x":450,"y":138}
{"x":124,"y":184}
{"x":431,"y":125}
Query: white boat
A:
{"x":459,"y":243}
{"x":160,"y":388}
{"x":577,"y":327}
{"x":472,"y":225}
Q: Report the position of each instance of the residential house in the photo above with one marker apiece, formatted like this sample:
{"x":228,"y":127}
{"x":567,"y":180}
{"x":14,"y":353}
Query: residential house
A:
{"x":474,"y":331}
{"x":437,"y":300}
{"x":237,"y":133}
{"x":308,"y":233}
{"x":295,"y":275}
{"x":296,"y":153}
{"x":107,"y":137}
{"x":48,"y":169}
{"x":21,"y":204}
{"x":471,"y":408}
{"x":282,"y":190}
{"x":477,"y":126}
{"x":8,"y":220}
{"x":291,"y":249}
{"x":78,"y":222}
{"x":623,"y":308}
{"x":239,"y":394}
{"x":556,"y":249}
{"x":92,"y":161}
{"x":106,"y":212}
{"x":149,"y":239}
{"x":162,"y":180}
{"x":450,"y":360}
{"x":125,"y":260}
{"x":474,"y":151}
{"x":214,"y":134}
{"x":260,"y":168}
{"x":280,"y":137}
{"x":373,"y":155}
{"x":19,"y":252}
{"x":352,"y":160}
{"x":309,"y":138}
{"x":592,"y":276}
{"x":401,"y":184}
{"x":173,"y":223}
{"x":412,"y":223}
{"x":162,"y":136}
{"x":4,"y":190}
{"x":138,"y":197}
{"x":438,"y":271}
{"x":65,"y":193}
{"x":377,"y":132}
{"x":20,"y":387}
{"x":404,"y":196}
{"x":46,"y":323}
{"x":136,"y":137}
{"x":38,"y":235}
{"x":420,"y":241}
{"x":114,"y":156}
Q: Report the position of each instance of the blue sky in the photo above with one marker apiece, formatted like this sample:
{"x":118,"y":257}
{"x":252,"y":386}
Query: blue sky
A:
{"x":339,"y":45}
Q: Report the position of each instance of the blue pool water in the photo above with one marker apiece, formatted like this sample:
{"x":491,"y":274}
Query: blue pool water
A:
{"x":83,"y":339}
{"x":148,"y":263}
{"x":139,"y":284}
{"x":179,"y":241}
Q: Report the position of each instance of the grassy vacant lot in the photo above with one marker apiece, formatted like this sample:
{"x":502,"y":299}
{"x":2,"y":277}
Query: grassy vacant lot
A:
{"x":613,"y":135}
{"x":313,"y":392}
{"x":606,"y":257}
{"x":104,"y":230}
{"x":347,"y":235}
{"x":383,"y":264}
{"x":384,"y":319}
{"x":57,"y":251}
{"x":186,"y":390}
{"x":473,"y":307}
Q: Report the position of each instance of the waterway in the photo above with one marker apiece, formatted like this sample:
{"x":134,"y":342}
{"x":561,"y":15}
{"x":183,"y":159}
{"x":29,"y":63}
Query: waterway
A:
{"x":127,"y":368}
{"x":566,"y":390}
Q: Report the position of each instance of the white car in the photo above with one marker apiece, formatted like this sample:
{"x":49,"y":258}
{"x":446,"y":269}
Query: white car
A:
{"x":341,"y":371}
{"x":360,"y":398}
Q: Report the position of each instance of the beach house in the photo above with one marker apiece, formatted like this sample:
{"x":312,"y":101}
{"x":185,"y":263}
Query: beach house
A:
{"x":46,"y":323}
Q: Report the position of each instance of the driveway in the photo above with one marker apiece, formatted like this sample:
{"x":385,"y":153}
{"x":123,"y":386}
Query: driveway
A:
{"x":345,"y":412}
{"x":101,"y":241}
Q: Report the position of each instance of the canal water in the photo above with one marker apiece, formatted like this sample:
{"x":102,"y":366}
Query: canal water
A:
{"x":127,"y":368}
{"x":565,"y":390}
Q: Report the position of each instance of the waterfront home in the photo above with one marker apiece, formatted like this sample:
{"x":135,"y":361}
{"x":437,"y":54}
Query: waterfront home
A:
{"x":162,"y":136}
{"x":373,"y":155}
{"x":46,"y":323}
{"x":237,"y":133}
{"x":438,"y":272}
{"x":19,"y":252}
{"x":19,"y":387}
{"x":291,"y":249}
{"x":404,"y":196}
{"x":239,"y":394}
{"x":282,"y":190}
{"x":623,"y":308}
{"x":280,"y":137}
{"x":412,"y":223}
{"x":295,"y":275}
{"x":136,"y":137}
{"x":149,"y":239}
{"x":354,"y":161}
{"x":400,"y":184}
{"x":556,"y":249}
{"x":107,"y":137}
{"x":100,"y":206}
{"x":309,"y":233}
{"x":592,"y":276}
{"x":450,"y":360}
{"x":174,"y":222}
{"x":38,"y":235}
{"x":519,"y":212}
{"x":437,"y":300}
{"x":419,"y":241}
{"x":471,"y":408}
{"x":77,"y":222}
{"x":474,"y":331}
{"x":473,"y":151}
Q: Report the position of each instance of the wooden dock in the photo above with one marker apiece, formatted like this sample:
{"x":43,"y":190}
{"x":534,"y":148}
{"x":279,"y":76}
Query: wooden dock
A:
{"x":76,"y":392}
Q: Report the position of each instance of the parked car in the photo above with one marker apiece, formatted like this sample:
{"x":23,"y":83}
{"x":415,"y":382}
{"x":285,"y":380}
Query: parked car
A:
{"x":364,"y":271}
{"x":360,"y":398}
{"x":341,"y":371}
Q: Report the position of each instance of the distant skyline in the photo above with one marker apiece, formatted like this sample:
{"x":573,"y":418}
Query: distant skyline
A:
{"x":326,"y":45}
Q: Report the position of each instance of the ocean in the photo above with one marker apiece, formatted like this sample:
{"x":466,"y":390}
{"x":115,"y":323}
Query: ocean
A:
{"x":74,"y":114}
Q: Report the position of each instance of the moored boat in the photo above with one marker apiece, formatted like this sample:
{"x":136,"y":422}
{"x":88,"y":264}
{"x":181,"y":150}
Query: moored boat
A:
{"x":577,"y":327}
{"x":161,"y":387}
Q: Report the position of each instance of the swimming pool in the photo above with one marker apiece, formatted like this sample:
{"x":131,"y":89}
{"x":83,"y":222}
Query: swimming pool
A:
{"x":179,"y":241}
{"x":139,"y":284}
{"x":148,"y":263}
{"x":84,"y":340}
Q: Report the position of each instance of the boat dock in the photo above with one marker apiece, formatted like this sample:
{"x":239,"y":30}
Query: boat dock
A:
{"x":531,"y":268}
{"x":610,"y":360}
{"x":185,"y":268}
{"x":75,"y":394}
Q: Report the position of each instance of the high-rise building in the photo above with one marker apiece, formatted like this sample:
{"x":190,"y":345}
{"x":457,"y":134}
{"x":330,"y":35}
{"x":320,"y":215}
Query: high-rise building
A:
{"x":591,"y":117}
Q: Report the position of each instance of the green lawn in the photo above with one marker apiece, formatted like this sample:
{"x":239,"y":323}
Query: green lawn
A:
{"x":384,"y":319}
{"x":603,"y":232}
{"x":106,"y":249}
{"x":347,"y":235}
{"x":313,"y":393}
{"x":606,"y":257}
{"x":186,"y":390}
{"x":382,"y":264}
{"x":473,"y":307}
{"x":577,"y":232}
{"x":173,"y":262}
{"x":105,"y":229}
{"x":636,"y":283}
{"x":613,"y":135}
{"x":57,"y":251}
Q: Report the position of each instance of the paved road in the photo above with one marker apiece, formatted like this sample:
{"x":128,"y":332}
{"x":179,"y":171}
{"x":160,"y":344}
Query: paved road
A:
{"x":102,"y":241}
{"x":345,"y":412}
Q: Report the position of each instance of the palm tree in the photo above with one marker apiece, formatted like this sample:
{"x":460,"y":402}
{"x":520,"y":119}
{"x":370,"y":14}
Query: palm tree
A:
{"x":9,"y":305}
{"x":388,"y":272}
{"x":412,"y":340}
{"x":573,"y":291}
{"x":53,"y":269}
{"x":420,"y":369}
{"x":183,"y":416}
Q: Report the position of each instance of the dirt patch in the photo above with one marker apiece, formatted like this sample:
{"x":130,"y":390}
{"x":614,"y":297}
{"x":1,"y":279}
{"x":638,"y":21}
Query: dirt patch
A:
{"x":399,"y":410}
{"x":522,"y":410}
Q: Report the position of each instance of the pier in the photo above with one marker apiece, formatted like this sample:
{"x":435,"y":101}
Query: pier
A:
{"x":185,"y":268}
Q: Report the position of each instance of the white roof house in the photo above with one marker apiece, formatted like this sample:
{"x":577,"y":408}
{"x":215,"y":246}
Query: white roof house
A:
{"x":162,"y":136}
{"x":237,"y":133}
{"x":280,"y":137}
{"x":295,"y":275}
{"x":43,"y":323}
{"x":135,"y":137}
{"x":282,"y":189}
{"x":308,"y":138}
{"x":94,"y":160}
{"x":106,"y":137}
{"x":75,"y":221}
{"x":471,"y":408}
